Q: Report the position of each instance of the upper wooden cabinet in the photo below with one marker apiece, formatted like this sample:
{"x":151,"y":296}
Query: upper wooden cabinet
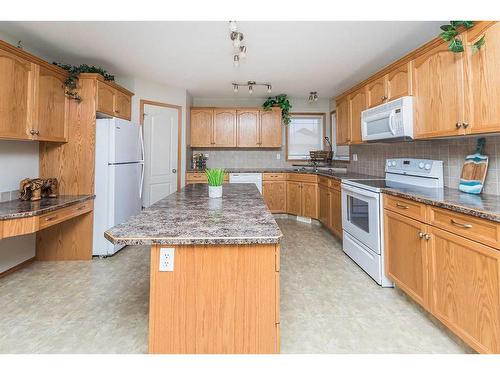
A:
{"x":438,"y":84}
{"x":113,"y":100}
{"x":51,"y":120}
{"x":248,"y":128}
{"x":375,"y":92}
{"x":224,"y":129}
{"x":357,"y":104}
{"x":343,"y":129}
{"x":235,"y":127}
{"x":483,"y":70}
{"x":201,"y":127}
{"x":33,"y":102}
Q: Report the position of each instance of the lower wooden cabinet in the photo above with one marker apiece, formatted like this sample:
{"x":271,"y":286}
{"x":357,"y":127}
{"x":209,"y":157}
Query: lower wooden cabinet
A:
{"x":405,"y":255}
{"x":294,"y":198}
{"x":302,"y":199}
{"x":455,"y":278}
{"x":336,"y":212}
{"x":465,"y":287}
{"x":274,"y":194}
{"x":324,"y":206}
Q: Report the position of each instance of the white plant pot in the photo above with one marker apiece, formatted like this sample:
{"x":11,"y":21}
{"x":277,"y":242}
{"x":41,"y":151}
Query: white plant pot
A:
{"x":215,"y":191}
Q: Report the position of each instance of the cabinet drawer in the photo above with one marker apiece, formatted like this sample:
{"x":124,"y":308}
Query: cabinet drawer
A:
{"x":473,"y":228}
{"x":196,"y":177}
{"x":405,"y":207}
{"x":273,"y":176}
{"x":64,"y":214}
{"x":302,"y":177}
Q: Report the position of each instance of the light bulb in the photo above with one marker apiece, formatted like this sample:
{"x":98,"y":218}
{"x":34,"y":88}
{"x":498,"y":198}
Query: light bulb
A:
{"x":250,"y":89}
{"x":233,"y":26}
{"x":268,"y":89}
{"x":243,"y":52}
{"x":236,"y":42}
{"x":236,"y":61}
{"x":235,"y":88}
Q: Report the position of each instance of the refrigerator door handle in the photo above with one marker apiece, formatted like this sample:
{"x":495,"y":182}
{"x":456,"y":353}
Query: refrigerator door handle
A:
{"x":141,"y":140}
{"x":141,"y":182}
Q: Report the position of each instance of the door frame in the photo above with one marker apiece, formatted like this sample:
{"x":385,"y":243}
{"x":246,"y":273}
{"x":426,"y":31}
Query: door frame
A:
{"x":144,"y":102}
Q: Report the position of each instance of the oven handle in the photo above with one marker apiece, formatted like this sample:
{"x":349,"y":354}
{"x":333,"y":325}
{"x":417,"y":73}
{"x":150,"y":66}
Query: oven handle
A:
{"x":391,"y":125}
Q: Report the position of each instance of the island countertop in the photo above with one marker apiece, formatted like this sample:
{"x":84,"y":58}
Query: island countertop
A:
{"x":190,"y":217}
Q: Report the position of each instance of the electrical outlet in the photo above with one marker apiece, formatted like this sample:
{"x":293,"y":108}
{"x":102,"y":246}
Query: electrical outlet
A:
{"x":278,"y":156}
{"x":167,"y":259}
{"x":354,"y":157}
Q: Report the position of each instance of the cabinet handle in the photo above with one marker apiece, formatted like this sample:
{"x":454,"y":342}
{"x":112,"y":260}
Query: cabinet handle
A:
{"x":32,"y":132}
{"x":458,"y":125}
{"x":427,"y":236}
{"x":465,"y":125}
{"x":37,"y":132}
{"x":402,"y":206}
{"x":383,"y":97}
{"x":80,"y":208}
{"x":50,"y":218}
{"x":461,"y":225}
{"x":421,"y":234}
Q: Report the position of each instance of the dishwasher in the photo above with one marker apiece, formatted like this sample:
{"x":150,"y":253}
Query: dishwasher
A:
{"x":246,"y":178}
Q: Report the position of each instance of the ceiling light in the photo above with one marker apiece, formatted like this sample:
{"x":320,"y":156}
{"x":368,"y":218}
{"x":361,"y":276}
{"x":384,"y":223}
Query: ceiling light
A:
{"x":236,"y":61}
{"x":243,"y":51}
{"x":269,"y":89}
{"x":235,"y":88}
{"x":236,"y":37}
{"x":250,"y":89}
{"x":233,"y":26}
{"x":313,"y":96}
{"x":249,"y":84}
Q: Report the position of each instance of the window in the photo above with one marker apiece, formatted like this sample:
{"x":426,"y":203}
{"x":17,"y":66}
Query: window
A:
{"x":305,"y":133}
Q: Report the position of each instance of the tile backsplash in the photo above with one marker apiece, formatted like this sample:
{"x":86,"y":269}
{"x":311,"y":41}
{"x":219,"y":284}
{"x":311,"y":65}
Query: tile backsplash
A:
{"x":371,"y":157}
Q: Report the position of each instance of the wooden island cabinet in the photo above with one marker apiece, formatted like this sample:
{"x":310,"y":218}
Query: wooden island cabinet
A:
{"x":449,"y":263}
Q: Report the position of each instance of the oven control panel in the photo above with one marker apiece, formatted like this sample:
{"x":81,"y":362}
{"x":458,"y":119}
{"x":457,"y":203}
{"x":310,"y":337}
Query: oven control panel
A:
{"x":416,"y":167}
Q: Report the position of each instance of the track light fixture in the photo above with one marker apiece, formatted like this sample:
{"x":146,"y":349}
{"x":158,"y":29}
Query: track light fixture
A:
{"x":239,"y":50}
{"x":251,"y":85}
{"x":313,"y":96}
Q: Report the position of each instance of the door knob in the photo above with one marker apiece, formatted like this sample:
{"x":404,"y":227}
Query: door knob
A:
{"x":174,"y":170}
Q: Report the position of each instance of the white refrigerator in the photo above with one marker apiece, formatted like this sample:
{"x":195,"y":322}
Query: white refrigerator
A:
{"x":119,"y":175}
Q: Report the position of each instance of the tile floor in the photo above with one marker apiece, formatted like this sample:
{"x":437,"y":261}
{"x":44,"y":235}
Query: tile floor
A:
{"x":328,"y":305}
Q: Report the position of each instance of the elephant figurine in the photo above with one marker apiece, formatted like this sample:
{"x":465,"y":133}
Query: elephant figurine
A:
{"x":38,"y":188}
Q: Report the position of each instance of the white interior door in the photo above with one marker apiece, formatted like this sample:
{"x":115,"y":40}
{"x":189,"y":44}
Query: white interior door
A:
{"x":160,"y":153}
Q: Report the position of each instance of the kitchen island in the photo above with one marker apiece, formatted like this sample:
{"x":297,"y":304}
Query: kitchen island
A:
{"x":218,"y":290}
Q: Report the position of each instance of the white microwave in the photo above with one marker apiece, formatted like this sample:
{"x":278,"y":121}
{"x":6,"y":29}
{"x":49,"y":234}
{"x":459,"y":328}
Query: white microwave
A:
{"x":390,"y":121}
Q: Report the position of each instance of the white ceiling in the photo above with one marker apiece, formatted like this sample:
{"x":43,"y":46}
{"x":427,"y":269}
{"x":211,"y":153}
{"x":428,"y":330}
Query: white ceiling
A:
{"x":296,"y":57}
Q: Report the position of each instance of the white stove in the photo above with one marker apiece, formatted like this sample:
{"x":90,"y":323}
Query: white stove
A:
{"x":362,"y":209}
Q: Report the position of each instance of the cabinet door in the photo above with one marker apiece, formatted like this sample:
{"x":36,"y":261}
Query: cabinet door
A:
{"x":310,"y":200}
{"x":105,"y":98}
{"x":270,"y":128}
{"x":294,"y":198}
{"x":343,"y":128}
{"x":465,"y":285}
{"x":438,"y":86}
{"x":324,"y":206}
{"x":201,"y":127}
{"x":248,"y":129}
{"x":274,"y":194}
{"x":405,"y":255}
{"x":483,"y":92}
{"x":399,"y":82}
{"x":17,"y":80}
{"x":357,"y":104}
{"x":336,"y":212}
{"x":224,"y":128}
{"x":376,"y":92}
{"x":52,"y":106}
{"x":123,"y":104}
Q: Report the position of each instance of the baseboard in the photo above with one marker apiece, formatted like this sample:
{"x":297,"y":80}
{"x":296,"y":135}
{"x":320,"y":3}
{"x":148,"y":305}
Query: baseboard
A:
{"x":17,"y":267}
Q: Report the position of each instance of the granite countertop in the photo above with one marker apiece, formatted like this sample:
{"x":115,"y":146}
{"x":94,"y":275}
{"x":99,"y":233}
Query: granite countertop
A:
{"x":336,"y":175}
{"x":189,"y":217}
{"x":485,"y":206}
{"x":18,"y":209}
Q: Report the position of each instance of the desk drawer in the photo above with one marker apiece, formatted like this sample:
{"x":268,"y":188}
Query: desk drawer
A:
{"x":63,"y":214}
{"x":405,"y":207}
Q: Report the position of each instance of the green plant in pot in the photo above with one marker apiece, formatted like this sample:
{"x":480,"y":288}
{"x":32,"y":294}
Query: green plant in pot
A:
{"x":451,"y":34}
{"x":215,"y":177}
{"x":282,"y":102}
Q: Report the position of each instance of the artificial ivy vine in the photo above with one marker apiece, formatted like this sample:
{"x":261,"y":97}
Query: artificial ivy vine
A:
{"x":282,"y":102}
{"x":450,"y":34}
{"x":74,"y":73}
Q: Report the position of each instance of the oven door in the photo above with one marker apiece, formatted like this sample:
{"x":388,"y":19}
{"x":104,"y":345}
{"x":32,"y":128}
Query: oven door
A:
{"x":379,"y":126}
{"x":361,"y":216}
